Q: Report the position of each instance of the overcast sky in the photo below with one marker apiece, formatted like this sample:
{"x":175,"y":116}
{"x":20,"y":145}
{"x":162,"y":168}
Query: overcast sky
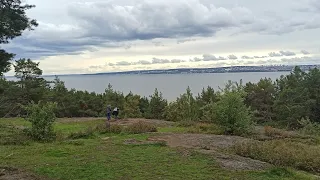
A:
{"x":89,"y":36}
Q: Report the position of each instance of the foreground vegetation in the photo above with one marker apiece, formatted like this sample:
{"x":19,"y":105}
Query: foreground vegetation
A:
{"x":104,"y":155}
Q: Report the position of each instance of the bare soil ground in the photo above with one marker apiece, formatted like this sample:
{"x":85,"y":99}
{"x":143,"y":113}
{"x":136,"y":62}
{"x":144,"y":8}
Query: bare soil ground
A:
{"x":7,"y":173}
{"x":214,"y":146}
{"x":123,"y":122}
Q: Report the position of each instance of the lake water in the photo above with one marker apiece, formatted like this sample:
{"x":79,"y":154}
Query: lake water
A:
{"x":171,"y":85}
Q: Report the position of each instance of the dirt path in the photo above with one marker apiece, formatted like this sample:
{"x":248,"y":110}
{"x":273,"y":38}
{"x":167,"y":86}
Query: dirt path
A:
{"x":123,"y":122}
{"x":7,"y":173}
{"x":214,"y":146}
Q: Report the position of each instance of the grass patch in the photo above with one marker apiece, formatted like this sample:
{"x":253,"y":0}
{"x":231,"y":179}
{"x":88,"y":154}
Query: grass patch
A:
{"x":10,"y":135}
{"x":283,"y":153}
{"x":141,"y":127}
{"x":107,"y":157}
{"x":98,"y":159}
{"x":84,"y":134}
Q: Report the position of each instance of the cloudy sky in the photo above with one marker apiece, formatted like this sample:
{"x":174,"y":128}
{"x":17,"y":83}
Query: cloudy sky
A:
{"x":89,"y":36}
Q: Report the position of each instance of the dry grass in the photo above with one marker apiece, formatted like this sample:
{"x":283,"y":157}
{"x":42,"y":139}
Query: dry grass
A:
{"x":282,"y":153}
{"x":114,"y":128}
{"x":141,"y":127}
{"x":88,"y":133}
{"x":275,"y":133}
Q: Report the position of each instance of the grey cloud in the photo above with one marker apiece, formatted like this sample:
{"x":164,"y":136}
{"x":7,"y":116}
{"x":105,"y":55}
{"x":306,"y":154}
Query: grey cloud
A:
{"x":157,"y":43}
{"x":247,"y":57}
{"x":258,"y":57}
{"x":109,"y":24}
{"x":287,"y":53}
{"x":305,"y":52}
{"x":296,"y":59}
{"x":249,"y":62}
{"x":143,"y":62}
{"x":232,"y":57}
{"x":123,"y":23}
{"x":196,"y":59}
{"x":209,"y":57}
{"x":180,"y":41}
{"x":105,"y":24}
{"x":160,"y":61}
{"x":123,"y":63}
{"x":222,"y":58}
{"x":176,"y":61}
{"x":274,"y":54}
{"x":310,"y":6}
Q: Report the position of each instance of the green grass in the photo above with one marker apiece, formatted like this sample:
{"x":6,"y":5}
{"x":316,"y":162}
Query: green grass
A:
{"x":96,"y":158}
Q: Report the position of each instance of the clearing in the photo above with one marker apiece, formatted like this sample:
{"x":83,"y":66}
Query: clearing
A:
{"x":171,"y":153}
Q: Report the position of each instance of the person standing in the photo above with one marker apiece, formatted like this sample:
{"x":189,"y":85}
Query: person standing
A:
{"x":108,"y":115}
{"x":116,"y":112}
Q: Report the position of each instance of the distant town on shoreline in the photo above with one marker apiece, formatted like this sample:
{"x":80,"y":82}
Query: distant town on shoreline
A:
{"x":232,"y":69}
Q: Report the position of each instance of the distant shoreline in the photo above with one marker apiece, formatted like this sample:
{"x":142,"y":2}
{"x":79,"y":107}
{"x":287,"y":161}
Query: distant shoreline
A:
{"x":233,"y":69}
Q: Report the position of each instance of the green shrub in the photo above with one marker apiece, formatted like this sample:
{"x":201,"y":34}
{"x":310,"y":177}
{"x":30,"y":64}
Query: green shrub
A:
{"x":141,"y":127}
{"x":185,"y":108}
{"x":131,"y":107}
{"x":42,"y":117}
{"x":157,"y":106}
{"x":309,"y":128}
{"x":282,"y":153}
{"x":232,"y":114}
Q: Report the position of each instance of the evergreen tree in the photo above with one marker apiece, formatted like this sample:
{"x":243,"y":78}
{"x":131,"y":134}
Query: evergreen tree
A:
{"x":157,"y":105}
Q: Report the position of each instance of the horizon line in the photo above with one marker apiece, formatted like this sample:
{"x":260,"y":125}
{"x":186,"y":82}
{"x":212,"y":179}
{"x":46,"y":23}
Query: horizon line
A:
{"x":128,"y":71}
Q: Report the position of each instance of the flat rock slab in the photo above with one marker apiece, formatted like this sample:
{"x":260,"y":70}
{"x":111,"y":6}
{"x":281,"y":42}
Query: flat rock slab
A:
{"x":197,"y":140}
{"x":211,"y":144}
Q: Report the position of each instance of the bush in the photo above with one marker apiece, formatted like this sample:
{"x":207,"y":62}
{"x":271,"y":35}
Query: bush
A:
{"x":141,"y":127}
{"x":42,"y":117}
{"x":157,"y":105}
{"x":282,"y":153}
{"x":131,"y":106}
{"x":232,"y":114}
{"x":185,"y":108}
{"x":309,"y":128}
